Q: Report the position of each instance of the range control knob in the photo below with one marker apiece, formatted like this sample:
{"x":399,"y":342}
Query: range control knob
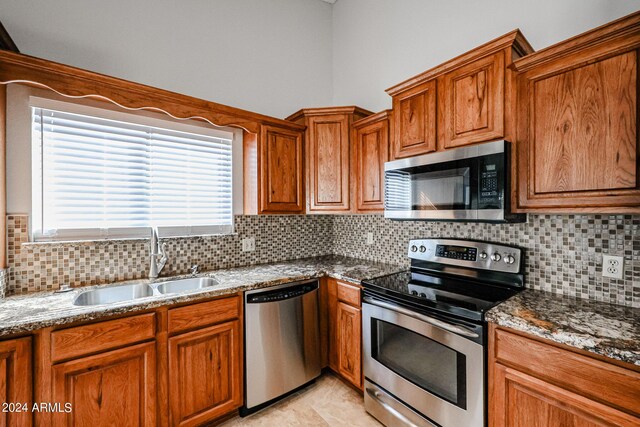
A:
{"x":423,"y":249}
{"x":423,"y":295}
{"x":414,"y":293}
{"x":414,"y":248}
{"x":496,"y":257}
{"x":509,"y":259}
{"x":483,"y":255}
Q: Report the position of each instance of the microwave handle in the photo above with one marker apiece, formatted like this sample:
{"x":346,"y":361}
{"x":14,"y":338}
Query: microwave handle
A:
{"x":456,"y":329}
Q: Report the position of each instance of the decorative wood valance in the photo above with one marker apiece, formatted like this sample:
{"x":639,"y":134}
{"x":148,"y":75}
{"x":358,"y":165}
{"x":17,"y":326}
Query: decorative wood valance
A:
{"x":78,"y":83}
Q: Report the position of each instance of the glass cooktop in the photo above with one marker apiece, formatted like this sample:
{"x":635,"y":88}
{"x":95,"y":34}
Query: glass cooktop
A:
{"x":462,"y":297}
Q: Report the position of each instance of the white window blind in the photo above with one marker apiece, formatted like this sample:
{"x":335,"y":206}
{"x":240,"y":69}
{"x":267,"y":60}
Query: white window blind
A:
{"x":97,"y":177}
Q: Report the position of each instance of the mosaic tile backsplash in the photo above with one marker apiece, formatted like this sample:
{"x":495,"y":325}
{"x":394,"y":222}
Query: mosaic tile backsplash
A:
{"x":45,"y":266}
{"x":563,"y":252}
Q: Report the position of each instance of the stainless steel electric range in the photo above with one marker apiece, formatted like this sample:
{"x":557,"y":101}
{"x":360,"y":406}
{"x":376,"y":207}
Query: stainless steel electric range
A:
{"x":424,"y":333}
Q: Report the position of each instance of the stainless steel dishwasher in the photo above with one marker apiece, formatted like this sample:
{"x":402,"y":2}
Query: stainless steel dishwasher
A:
{"x":282,"y":341}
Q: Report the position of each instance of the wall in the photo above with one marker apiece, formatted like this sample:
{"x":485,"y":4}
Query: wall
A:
{"x":268,"y":56}
{"x":276,"y":56}
{"x":378,"y":43}
{"x":563,"y":252}
{"x":45,"y":266}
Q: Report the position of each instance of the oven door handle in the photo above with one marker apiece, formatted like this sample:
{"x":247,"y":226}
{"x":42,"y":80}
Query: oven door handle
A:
{"x":457,"y":329}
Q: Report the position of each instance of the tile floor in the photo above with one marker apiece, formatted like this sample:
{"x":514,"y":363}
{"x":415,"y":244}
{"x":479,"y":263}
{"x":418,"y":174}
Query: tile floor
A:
{"x":327,"y":402}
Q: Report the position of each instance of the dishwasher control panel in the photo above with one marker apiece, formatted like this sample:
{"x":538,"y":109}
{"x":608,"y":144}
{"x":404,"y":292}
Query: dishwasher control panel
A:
{"x":282,"y":293}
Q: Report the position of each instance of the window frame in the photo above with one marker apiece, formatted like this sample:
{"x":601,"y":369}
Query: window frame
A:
{"x":142,"y":117}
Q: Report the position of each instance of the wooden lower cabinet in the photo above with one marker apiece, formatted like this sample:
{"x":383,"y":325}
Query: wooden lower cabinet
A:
{"x":204,"y":374}
{"x":15,"y":381}
{"x":116,"y":388}
{"x":177,"y":366}
{"x":527,"y":401}
{"x":345,"y":330}
{"x":349,"y":343}
{"x":537,"y":383}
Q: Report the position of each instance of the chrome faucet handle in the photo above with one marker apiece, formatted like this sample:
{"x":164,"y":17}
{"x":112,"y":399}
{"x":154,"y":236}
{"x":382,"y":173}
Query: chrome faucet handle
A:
{"x":163,"y":256}
{"x":194,"y":269}
{"x":156,"y":250}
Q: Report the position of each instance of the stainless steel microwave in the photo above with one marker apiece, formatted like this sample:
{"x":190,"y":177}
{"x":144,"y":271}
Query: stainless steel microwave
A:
{"x":463,"y":184}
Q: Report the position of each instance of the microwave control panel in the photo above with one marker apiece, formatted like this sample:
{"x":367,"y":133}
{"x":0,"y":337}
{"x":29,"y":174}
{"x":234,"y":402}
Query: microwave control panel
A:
{"x":491,"y":185}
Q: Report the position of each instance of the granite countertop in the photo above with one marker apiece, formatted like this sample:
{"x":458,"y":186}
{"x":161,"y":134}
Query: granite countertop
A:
{"x":24,"y":313}
{"x":604,"y":329}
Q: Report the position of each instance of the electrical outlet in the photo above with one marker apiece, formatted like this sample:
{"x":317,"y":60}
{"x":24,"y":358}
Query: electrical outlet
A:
{"x":369,"y":239}
{"x":248,"y":244}
{"x":612,"y":266}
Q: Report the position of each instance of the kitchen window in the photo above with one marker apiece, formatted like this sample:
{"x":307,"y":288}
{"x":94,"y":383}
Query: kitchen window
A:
{"x":99,"y":177}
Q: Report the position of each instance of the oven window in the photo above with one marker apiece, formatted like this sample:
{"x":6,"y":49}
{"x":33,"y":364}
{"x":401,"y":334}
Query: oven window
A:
{"x":428,"y":364}
{"x":448,"y":189}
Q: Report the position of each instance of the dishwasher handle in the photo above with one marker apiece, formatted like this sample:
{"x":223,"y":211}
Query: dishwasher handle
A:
{"x":281,"y":294}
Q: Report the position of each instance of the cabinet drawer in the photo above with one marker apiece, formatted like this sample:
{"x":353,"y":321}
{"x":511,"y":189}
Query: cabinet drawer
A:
{"x":203,"y":314}
{"x":81,"y":340}
{"x":349,"y":294}
{"x":589,"y":377}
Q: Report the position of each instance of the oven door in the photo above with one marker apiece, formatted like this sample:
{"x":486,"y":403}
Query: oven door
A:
{"x":430,"y":364}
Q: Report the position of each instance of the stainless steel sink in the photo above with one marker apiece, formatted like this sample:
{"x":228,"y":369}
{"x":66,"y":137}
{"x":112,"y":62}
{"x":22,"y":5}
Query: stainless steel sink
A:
{"x":184,"y":285}
{"x":113,"y":294}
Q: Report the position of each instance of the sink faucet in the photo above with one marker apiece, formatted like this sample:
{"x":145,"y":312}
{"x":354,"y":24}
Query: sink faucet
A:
{"x":194,"y":269}
{"x":156,"y":250}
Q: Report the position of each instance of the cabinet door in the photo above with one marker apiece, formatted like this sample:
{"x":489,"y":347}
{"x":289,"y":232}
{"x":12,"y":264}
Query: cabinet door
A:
{"x":519,"y":400}
{"x":371,"y":152}
{"x":349,"y":330}
{"x":471,"y":102}
{"x":15,"y":380}
{"x":116,"y":388}
{"x":414,"y":115}
{"x":205,"y":374}
{"x":281,"y":179}
{"x":577,"y":136}
{"x":328,"y":163}
{"x":332,"y":323}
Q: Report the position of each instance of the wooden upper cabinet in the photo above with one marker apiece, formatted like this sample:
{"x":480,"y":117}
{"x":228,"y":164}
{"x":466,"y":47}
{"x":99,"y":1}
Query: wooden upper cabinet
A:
{"x":467,"y":100}
{"x":577,"y":139}
{"x":15,"y":381}
{"x":328,"y":163}
{"x":205,"y":378}
{"x":273,"y":171}
{"x":370,"y":152}
{"x":116,"y":388}
{"x":328,"y":156}
{"x":415,"y":121}
{"x":472,"y":98}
